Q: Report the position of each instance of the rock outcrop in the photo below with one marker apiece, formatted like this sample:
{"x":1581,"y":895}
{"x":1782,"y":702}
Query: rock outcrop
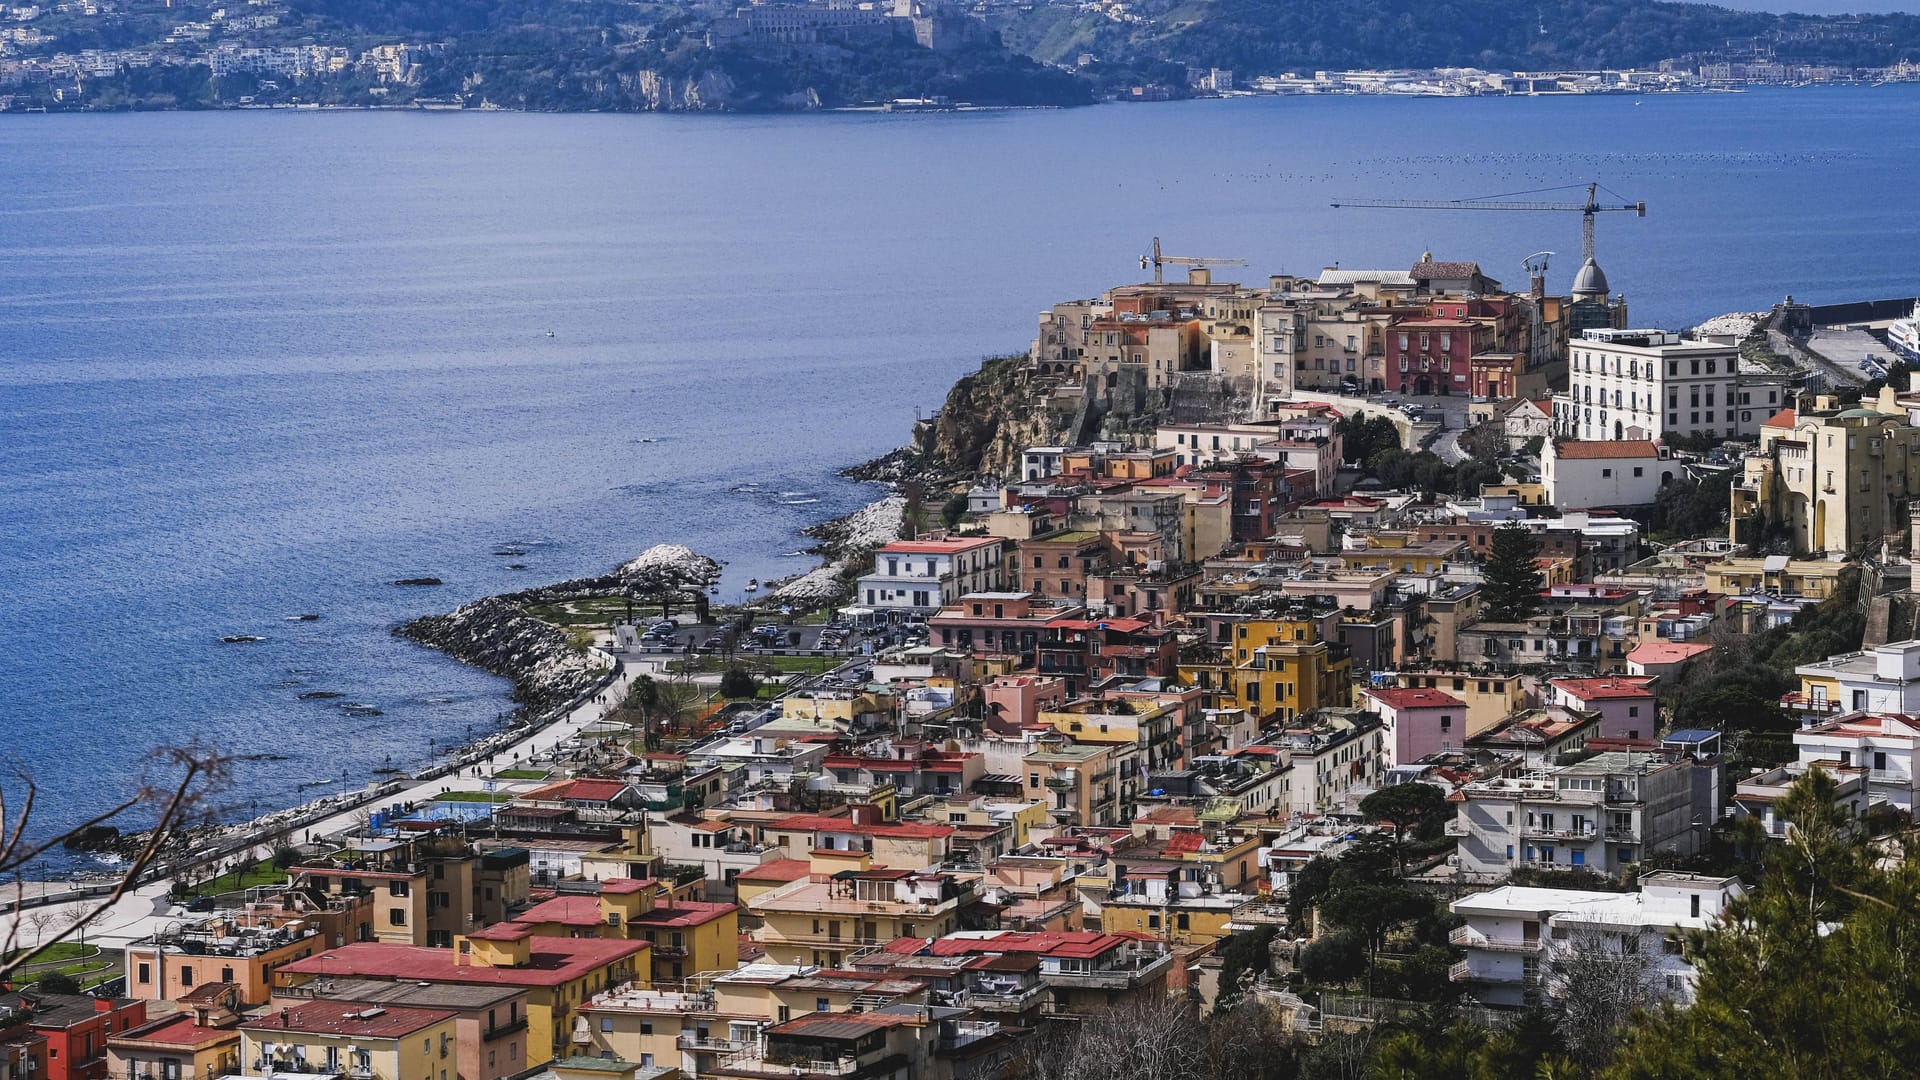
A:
{"x":708,"y":91}
{"x":495,"y":634}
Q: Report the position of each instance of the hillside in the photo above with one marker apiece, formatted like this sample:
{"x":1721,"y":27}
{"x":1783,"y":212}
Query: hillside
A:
{"x":1273,"y":36}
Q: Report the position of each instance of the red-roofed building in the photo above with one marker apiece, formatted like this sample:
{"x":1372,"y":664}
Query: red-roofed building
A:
{"x":394,"y":1042}
{"x":1665,"y":659}
{"x":77,"y":1028}
{"x":201,"y":1040}
{"x":557,"y":972}
{"x":919,"y":577}
{"x":1582,"y":475}
{"x":1419,"y":721}
{"x":913,"y":845}
{"x":1625,"y":703}
{"x":1085,"y":970}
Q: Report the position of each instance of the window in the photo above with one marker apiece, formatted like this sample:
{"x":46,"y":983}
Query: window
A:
{"x":822,"y":1005}
{"x":397,"y":888}
{"x":606,"y":1024}
{"x":1879,"y":761}
{"x":1606,"y":472}
{"x":1637,"y":470}
{"x":397,"y":916}
{"x":145,"y":974}
{"x":186,"y":976}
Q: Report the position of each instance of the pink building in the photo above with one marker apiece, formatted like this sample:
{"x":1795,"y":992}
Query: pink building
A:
{"x":1624,"y":702}
{"x":1419,"y":721}
{"x":1015,"y":701}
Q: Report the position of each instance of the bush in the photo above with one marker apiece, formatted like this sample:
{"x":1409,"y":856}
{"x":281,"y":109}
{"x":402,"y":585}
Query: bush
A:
{"x":738,"y":683}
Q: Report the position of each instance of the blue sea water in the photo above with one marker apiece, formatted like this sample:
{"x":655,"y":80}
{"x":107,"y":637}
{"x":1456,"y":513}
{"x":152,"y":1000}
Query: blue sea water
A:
{"x":260,"y":364}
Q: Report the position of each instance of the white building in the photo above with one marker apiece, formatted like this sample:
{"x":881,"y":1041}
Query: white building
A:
{"x":919,"y":577}
{"x":1884,"y":679}
{"x":1522,"y":942}
{"x":1581,"y":474}
{"x":1602,"y":814}
{"x":1646,"y":384}
{"x":1882,"y":744}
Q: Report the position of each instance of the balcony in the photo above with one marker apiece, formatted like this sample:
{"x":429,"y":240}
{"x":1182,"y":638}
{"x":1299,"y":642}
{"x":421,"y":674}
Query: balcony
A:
{"x":670,"y":952}
{"x":1626,"y":833}
{"x":1456,"y":827}
{"x":1055,"y":783}
{"x":708,"y":1044}
{"x":1466,"y":937}
{"x":1141,"y":969}
{"x":1560,"y":832}
{"x":1459,"y":972}
{"x":501,"y":1030}
{"x":997,"y":998}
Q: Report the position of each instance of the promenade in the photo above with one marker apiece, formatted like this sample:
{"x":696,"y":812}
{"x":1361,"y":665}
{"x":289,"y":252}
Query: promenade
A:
{"x":148,"y":908}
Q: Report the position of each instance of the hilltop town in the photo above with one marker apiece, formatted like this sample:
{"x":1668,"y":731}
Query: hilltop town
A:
{"x":1375,"y":659}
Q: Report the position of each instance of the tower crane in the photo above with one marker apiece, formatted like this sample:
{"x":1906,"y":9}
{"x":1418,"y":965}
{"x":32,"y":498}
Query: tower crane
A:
{"x":1157,"y":260}
{"x":1586,"y":210}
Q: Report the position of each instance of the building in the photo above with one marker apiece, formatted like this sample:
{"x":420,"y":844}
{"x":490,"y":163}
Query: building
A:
{"x":348,"y":1038}
{"x":1625,"y":703}
{"x":201,"y":1040}
{"x":1580,"y":474}
{"x":1831,"y":479}
{"x":490,"y":1022}
{"x":1084,"y":971}
{"x":557,"y":973}
{"x":1515,"y":936}
{"x":1488,"y":698}
{"x":919,"y":577}
{"x":232,"y":949}
{"x":77,"y":1028}
{"x":1883,"y":679}
{"x":1650,"y":384}
{"x":1883,"y":745}
{"x":1602,"y":814}
{"x":1418,"y":722}
{"x":847,"y":904}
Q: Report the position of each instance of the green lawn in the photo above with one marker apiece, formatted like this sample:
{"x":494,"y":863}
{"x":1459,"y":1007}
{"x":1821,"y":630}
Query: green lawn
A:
{"x":88,"y":973}
{"x":260,"y":873}
{"x":65,"y":950}
{"x":522,"y":774}
{"x":474,"y":796}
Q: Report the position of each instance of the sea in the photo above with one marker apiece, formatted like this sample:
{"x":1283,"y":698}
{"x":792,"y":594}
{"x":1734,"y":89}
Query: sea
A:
{"x":256,"y":365}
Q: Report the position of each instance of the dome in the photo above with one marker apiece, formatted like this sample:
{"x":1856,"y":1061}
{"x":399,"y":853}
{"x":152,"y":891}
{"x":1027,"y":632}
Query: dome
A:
{"x":1590,"y":281}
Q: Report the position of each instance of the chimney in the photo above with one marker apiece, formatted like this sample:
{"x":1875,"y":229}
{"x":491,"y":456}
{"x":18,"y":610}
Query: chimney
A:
{"x":101,"y":1005}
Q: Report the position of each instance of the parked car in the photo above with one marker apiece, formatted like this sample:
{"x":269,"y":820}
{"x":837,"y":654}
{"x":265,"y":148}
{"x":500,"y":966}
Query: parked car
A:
{"x":200,"y":903}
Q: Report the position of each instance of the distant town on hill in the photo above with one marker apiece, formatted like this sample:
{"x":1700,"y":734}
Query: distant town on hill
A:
{"x":904,"y":54}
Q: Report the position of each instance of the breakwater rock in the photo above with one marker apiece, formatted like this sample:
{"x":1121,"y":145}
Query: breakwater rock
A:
{"x":496,"y":634}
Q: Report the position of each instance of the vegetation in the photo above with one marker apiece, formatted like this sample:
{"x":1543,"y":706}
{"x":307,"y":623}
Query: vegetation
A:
{"x":1273,"y":36}
{"x":1737,"y":686}
{"x":738,"y":683}
{"x":1511,"y":589}
{"x":1414,"y":810}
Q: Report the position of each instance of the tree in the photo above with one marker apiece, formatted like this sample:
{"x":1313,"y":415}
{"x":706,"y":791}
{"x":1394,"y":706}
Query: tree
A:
{"x":1596,"y":986}
{"x":176,"y":789}
{"x":1409,"y":808}
{"x":1816,"y":974}
{"x":1512,"y":580}
{"x":738,"y":682}
{"x":1243,"y":957}
{"x":1363,"y":436}
{"x":954,"y":510}
{"x":55,"y":982}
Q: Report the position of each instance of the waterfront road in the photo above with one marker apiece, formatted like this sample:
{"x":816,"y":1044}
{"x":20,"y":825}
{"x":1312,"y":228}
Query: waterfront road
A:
{"x":147,"y":910}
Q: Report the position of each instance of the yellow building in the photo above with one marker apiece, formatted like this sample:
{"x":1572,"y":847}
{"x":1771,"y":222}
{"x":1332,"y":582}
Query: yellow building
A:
{"x":1813,"y":579}
{"x":558,"y":973}
{"x":1489,"y":698}
{"x":1079,"y":783}
{"x":1153,"y":726}
{"x":1831,"y":479}
{"x":201,"y":1040}
{"x":342,"y":1037}
{"x":1278,"y":667}
{"x":851,"y":906}
{"x":686,"y":935}
{"x":1398,"y":552}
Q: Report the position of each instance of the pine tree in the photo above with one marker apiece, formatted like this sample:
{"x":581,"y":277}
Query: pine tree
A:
{"x":1512,"y":580}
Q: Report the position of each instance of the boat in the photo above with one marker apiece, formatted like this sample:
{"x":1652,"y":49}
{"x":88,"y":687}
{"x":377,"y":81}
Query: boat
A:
{"x":1904,"y":334}
{"x":240,"y":639}
{"x":754,"y":585}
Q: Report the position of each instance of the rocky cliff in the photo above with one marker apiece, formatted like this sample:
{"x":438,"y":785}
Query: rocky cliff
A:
{"x":992,"y":415}
{"x":707,"y":91}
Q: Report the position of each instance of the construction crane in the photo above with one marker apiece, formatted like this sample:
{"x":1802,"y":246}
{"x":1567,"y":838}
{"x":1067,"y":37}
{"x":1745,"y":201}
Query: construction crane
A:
{"x":1157,"y":260}
{"x":1586,"y":210}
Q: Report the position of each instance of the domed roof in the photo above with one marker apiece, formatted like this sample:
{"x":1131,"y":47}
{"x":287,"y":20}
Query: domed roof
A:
{"x":1590,"y":281}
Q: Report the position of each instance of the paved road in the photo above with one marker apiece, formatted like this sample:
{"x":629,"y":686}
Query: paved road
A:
{"x":147,"y":909}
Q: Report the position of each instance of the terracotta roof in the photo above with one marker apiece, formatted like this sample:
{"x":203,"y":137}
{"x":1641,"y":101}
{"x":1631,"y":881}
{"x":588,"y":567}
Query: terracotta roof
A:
{"x":1666,"y":652}
{"x":1595,"y":451}
{"x":1618,"y":686}
{"x":1782,"y":419}
{"x":551,"y":962}
{"x":1079,"y":944}
{"x":683,"y":913}
{"x":897,"y":829}
{"x":176,"y":1030}
{"x":349,"y":1018}
{"x":937,"y":547}
{"x":1395,"y":697}
{"x":776,"y":871}
{"x":565,"y":910}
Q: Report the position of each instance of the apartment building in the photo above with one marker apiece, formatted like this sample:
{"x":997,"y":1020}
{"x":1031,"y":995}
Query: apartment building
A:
{"x":346,"y":1038}
{"x":1647,"y":384}
{"x":557,"y":973}
{"x":1625,"y":703}
{"x":919,"y":577}
{"x":848,"y":904}
{"x":202,"y":1039}
{"x":1883,"y":679}
{"x":1602,"y":815}
{"x":490,"y":1022}
{"x":77,"y":1028}
{"x":1514,"y":936}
